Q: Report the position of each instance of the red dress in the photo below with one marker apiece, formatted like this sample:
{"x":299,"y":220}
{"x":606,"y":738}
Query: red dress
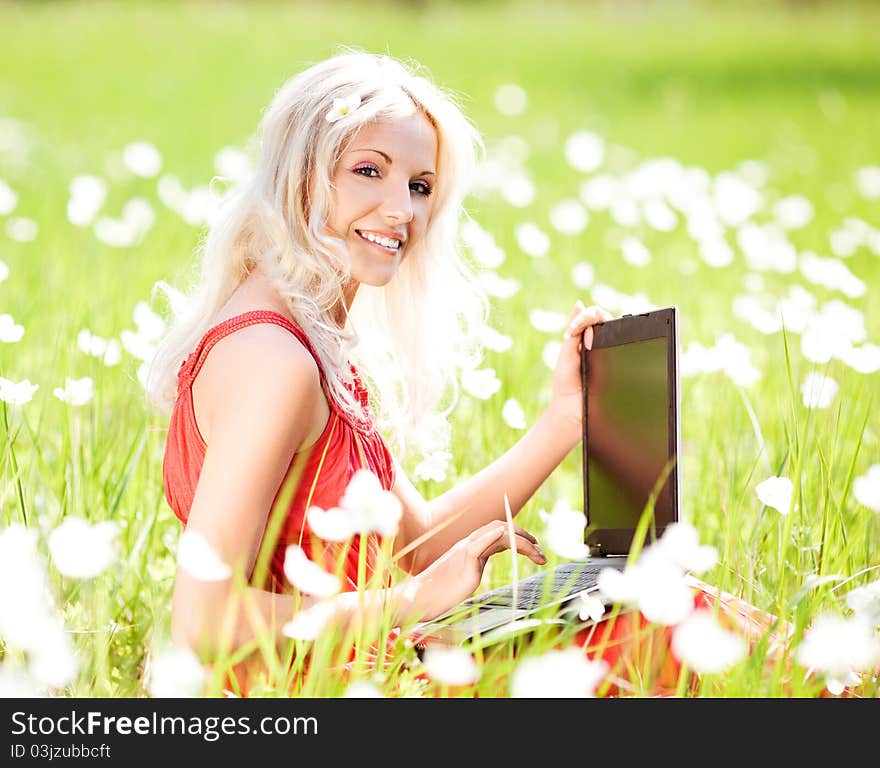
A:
{"x":344,"y":447}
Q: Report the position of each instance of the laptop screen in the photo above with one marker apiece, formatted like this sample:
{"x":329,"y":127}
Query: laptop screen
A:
{"x":631,"y":435}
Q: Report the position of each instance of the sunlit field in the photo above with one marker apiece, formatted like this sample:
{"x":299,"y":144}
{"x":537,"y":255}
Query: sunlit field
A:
{"x":724,"y":163}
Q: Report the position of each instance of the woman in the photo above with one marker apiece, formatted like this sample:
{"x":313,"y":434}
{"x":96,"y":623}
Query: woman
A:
{"x":346,"y":235}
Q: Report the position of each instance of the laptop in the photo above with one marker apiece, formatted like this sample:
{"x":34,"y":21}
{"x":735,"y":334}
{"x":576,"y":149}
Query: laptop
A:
{"x":630,"y":451}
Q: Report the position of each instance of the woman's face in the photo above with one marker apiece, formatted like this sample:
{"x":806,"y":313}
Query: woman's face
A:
{"x":382,"y":190}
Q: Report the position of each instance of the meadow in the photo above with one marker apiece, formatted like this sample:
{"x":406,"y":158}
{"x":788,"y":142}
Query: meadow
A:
{"x":722,"y":161}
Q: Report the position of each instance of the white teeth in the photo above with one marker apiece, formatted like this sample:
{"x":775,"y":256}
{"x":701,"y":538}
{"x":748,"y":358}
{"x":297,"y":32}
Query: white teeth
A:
{"x":387,"y":242}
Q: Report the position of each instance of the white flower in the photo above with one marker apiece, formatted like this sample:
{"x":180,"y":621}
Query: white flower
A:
{"x":704,"y":645}
{"x":492,"y":339}
{"x":557,"y":674}
{"x":451,"y":665}
{"x":518,"y":189}
{"x":16,"y":684}
{"x":8,"y":199}
{"x":497,"y":286}
{"x":198,"y":558}
{"x":87,"y":195}
{"x":307,"y":576}
{"x":433,"y":466}
{"x":76,"y":392}
{"x":590,"y":607}
{"x":547,"y":321}
{"x":583,"y":274}
{"x":510,"y":99}
{"x":584,"y":151}
{"x":80,"y":550}
{"x":95,"y":346}
{"x":363,"y":689}
{"x":150,"y":325}
{"x":818,"y":390}
{"x":17,"y":394}
{"x":550,"y":353}
{"x":365,"y":507}
{"x":176,"y":673}
{"x":4,"y":271}
{"x":866,"y":488}
{"x":564,"y":530}
{"x":868,"y":181}
{"x":635,"y":252}
{"x":142,"y":159}
{"x":532,"y":240}
{"x":22,"y":230}
{"x":9,"y":331}
{"x":343,"y":107}
{"x":308,"y":623}
{"x":513,"y":414}
{"x":776,"y":492}
{"x":680,"y":545}
{"x":865,"y":602}
{"x":569,"y":216}
{"x":839,"y":648}
{"x":480,"y":383}
{"x":793,"y":212}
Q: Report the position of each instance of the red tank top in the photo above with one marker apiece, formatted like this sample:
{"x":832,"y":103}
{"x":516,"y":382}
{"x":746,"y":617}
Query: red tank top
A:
{"x":345,"y":446}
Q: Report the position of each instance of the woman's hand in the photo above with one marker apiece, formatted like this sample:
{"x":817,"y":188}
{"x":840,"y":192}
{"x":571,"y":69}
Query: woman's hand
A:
{"x":567,"y":391}
{"x":454,"y":576}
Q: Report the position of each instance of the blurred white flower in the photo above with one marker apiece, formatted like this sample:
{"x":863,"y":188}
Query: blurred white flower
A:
{"x":865,"y":602}
{"x":518,"y":190}
{"x":17,"y":394}
{"x":16,"y":683}
{"x":585,"y":151}
{"x":109,"y":352}
{"x":433,"y":466}
{"x":8,"y":199}
{"x":569,"y":216}
{"x":654,"y":585}
{"x":497,"y":286}
{"x":776,"y":492}
{"x":142,"y":159}
{"x":550,"y":353}
{"x":176,"y":673}
{"x":81,"y":550}
{"x":233,"y":163}
{"x":76,"y":392}
{"x":199,"y":559}
{"x":680,"y":544}
{"x":365,"y":507}
{"x":87,"y":195}
{"x":590,"y":607}
{"x":635,"y":252}
{"x":868,"y":181}
{"x":727,"y":355}
{"x":564,"y":530}
{"x":480,"y":383}
{"x":137,"y":218}
{"x":54,"y":662}
{"x":716,"y":252}
{"x":599,"y":191}
{"x":839,"y":648}
{"x":793,"y":212}
{"x":309,"y":623}
{"x":511,"y":99}
{"x":831,"y":273}
{"x":450,"y":665}
{"x":4,"y":271}
{"x":513,"y":414}
{"x":307,"y":576}
{"x":150,"y":325}
{"x":864,"y":359}
{"x":818,"y":390}
{"x":557,"y":674}
{"x":22,"y":229}
{"x":736,"y":200}
{"x":532,"y":239}
{"x":492,"y":339}
{"x":767,"y":248}
{"x":10,"y":332}
{"x":658,"y":215}
{"x":582,"y":274}
{"x":704,"y":645}
{"x":363,"y":689}
{"x":547,"y":321}
{"x":866,"y":488}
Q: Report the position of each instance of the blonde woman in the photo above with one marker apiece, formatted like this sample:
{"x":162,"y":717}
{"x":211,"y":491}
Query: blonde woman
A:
{"x":343,"y":247}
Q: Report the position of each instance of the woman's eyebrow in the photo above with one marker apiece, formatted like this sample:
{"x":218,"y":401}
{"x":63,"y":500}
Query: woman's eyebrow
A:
{"x":389,"y":160}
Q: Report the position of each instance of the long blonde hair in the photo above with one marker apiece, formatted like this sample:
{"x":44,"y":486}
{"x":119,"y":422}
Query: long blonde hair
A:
{"x":408,"y":338}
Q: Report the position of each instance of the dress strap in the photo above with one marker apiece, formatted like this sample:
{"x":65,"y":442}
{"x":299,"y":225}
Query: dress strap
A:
{"x":190,"y":367}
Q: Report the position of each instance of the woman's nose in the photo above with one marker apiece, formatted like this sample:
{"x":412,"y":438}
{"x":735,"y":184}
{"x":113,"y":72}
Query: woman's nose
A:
{"x":398,"y":204}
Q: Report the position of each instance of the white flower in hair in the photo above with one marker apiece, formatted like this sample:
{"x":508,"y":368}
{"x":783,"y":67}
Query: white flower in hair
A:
{"x":343,"y":107}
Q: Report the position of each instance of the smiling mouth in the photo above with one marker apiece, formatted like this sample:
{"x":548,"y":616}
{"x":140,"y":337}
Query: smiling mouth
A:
{"x":387,"y":244}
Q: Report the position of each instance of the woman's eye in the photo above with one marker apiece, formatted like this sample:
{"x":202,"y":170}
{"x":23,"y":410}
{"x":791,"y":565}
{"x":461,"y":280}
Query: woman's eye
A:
{"x":367,"y":168}
{"x":422,"y":188}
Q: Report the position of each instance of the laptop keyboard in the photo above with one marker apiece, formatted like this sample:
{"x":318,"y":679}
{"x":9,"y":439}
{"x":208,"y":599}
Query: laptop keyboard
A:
{"x":541,"y":588}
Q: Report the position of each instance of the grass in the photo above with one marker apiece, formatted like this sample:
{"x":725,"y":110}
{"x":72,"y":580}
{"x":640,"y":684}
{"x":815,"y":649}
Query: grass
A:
{"x":796,"y":90}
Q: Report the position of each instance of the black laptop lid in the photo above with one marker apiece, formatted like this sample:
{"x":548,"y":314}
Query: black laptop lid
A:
{"x":631,"y":428}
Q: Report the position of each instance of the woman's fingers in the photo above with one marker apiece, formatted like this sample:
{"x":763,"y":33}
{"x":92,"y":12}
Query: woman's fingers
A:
{"x":495,"y":537}
{"x":582,"y":321}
